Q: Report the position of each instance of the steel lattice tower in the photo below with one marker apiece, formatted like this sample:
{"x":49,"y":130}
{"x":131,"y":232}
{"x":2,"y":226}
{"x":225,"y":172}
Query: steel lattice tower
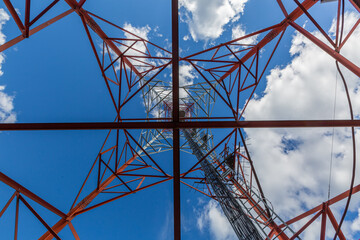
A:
{"x":240,"y":222}
{"x":132,"y":66}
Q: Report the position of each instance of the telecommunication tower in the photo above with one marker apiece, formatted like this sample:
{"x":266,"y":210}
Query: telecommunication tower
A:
{"x":179,"y":117}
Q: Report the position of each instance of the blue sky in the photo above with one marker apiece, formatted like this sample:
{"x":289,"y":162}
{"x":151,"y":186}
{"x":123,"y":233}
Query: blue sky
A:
{"x":53,"y":77}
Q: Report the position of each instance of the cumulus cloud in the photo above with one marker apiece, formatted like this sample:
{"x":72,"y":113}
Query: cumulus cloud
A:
{"x":142,"y":49}
{"x":186,"y":75}
{"x":7,"y":114}
{"x":138,"y":31}
{"x":211,"y":216}
{"x":4,"y":17}
{"x":239,"y":31}
{"x":207,"y":18}
{"x":139,"y":48}
{"x":355,"y":225}
{"x":293,"y":164}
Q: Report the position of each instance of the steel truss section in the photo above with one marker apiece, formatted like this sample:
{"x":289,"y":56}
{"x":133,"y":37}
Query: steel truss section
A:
{"x":241,"y":223}
{"x":128,"y":163}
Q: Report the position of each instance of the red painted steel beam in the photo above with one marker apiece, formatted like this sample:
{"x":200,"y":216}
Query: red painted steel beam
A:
{"x":179,"y":125}
{"x":281,"y":5}
{"x":344,"y":61}
{"x":356,"y":4}
{"x":39,"y":218}
{"x":334,"y":223}
{"x":305,"y":226}
{"x":14,"y":14}
{"x":80,"y":207}
{"x":175,"y":115}
{"x":27,"y":18}
{"x":81,"y":3}
{"x":307,"y":4}
{"x":76,"y":236}
{"x":273,"y":226}
{"x":62,"y":223}
{"x":16,"y":217}
{"x":323,"y":222}
{"x":18,"y":39}
{"x":121,"y":196}
{"x":96,"y":28}
{"x":319,"y":207}
{"x":8,"y":203}
{"x":43,"y":12}
{"x":11,"y":183}
{"x":77,"y":7}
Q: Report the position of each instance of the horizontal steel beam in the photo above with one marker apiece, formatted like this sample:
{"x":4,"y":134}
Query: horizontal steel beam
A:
{"x":8,"y":181}
{"x":170,"y":125}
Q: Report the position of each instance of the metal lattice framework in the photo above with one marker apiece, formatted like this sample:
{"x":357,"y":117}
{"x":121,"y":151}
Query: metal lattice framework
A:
{"x":127,"y":162}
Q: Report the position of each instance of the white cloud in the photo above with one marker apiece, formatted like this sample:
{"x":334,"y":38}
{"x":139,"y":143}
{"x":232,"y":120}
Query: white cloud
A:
{"x":355,"y":226}
{"x":186,"y":75}
{"x":139,"y":48}
{"x":140,"y":31}
{"x":166,"y":230}
{"x":207,"y":18}
{"x":7,"y":115}
{"x":4,"y":17}
{"x":293,"y":164}
{"x":142,"y":49}
{"x":211,"y":216}
{"x":2,"y":60}
{"x":239,"y":31}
